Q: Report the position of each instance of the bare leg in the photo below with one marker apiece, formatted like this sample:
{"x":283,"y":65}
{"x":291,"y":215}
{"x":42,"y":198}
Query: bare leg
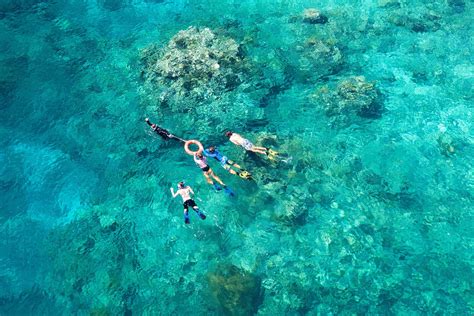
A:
{"x":259,"y":151}
{"x":210,"y":172}
{"x":260,"y":148}
{"x":231,"y":163}
{"x":206,"y":175}
{"x":228,"y":167}
{"x":237,"y":166}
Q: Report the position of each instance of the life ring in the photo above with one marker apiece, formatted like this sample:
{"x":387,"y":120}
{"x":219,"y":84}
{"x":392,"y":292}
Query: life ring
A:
{"x":189,"y":151}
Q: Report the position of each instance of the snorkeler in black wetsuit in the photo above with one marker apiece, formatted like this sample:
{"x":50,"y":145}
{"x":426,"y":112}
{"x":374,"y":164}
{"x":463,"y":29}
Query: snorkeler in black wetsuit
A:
{"x":162,"y":132}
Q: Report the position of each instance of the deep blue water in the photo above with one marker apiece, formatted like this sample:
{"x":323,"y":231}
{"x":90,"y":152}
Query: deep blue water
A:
{"x":372,"y":215}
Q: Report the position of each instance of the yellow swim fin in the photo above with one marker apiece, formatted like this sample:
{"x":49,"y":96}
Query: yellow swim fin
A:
{"x":272,"y":152}
{"x":244,"y":174}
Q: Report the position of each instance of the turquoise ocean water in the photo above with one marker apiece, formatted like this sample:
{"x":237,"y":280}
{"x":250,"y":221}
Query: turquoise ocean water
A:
{"x":373,"y":101}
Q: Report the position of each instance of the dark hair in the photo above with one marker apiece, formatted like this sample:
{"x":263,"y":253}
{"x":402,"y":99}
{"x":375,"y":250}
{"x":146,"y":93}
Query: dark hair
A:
{"x":228,"y":133}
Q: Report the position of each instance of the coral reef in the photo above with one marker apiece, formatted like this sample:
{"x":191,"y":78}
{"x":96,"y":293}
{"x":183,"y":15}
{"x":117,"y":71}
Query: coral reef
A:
{"x":354,"y":95}
{"x":80,"y":271}
{"x":205,"y":77}
{"x":446,"y":144}
{"x":319,"y":58}
{"x":458,"y":6}
{"x":314,"y":16}
{"x":293,"y":211}
{"x":238,"y":292}
{"x":414,"y":21}
{"x":196,"y":62}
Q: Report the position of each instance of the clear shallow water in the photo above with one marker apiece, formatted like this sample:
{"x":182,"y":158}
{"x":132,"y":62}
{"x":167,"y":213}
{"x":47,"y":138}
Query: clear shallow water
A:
{"x":373,"y":215}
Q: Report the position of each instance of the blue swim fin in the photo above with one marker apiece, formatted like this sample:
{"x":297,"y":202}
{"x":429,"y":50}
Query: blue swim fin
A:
{"x":217,"y":187}
{"x":201,"y":214}
{"x":228,"y":191}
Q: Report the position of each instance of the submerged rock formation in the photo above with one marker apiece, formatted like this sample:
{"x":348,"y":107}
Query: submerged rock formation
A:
{"x":319,"y":58}
{"x":196,"y":62}
{"x":354,"y":95}
{"x":314,"y":16}
{"x":238,"y":292}
{"x":202,"y":75}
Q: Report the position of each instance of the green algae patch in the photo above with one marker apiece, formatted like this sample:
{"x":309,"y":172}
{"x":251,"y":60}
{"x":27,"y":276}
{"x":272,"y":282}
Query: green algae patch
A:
{"x":238,"y":292}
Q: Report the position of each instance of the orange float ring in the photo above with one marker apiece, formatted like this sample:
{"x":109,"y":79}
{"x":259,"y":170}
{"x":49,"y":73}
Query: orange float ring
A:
{"x":195,"y":142}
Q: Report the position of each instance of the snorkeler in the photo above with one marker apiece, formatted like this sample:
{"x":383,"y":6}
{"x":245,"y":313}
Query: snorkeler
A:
{"x":226,"y":163}
{"x":162,"y":132}
{"x":185,"y":191}
{"x":201,"y":161}
{"x":247,"y":145}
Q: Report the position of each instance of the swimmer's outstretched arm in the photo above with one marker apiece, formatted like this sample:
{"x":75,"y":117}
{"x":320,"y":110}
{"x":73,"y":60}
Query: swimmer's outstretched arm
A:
{"x":173,"y":193}
{"x":169,"y":135}
{"x":177,"y":138}
{"x":191,"y":190}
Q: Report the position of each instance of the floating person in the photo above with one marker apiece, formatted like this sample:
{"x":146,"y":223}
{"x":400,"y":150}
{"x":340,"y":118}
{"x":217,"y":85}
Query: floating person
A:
{"x":162,"y":132}
{"x":226,"y":163}
{"x":247,"y":145}
{"x":185,"y":191}
{"x":201,"y":161}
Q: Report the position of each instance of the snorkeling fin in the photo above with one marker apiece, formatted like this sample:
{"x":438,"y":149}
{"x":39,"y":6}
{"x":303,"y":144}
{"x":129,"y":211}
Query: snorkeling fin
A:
{"x":244,"y":174}
{"x":186,"y":219}
{"x":216,"y":186}
{"x":201,"y":214}
{"x":228,"y":191}
{"x":272,"y":152}
{"x":277,"y":156}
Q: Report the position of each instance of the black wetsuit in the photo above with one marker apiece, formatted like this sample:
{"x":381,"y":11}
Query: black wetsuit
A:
{"x":161,"y":131}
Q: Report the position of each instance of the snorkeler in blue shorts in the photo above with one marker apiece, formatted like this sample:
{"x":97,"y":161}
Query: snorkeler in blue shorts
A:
{"x":227,"y":164}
